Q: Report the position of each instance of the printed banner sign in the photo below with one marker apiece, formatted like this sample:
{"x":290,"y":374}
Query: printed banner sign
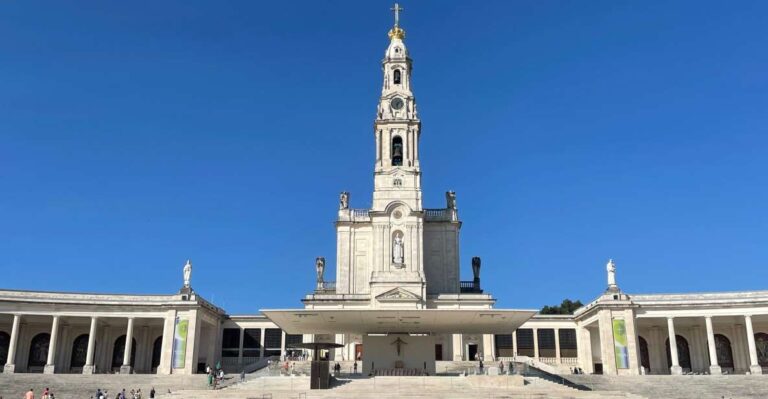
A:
{"x":620,"y":344}
{"x":180,"y":343}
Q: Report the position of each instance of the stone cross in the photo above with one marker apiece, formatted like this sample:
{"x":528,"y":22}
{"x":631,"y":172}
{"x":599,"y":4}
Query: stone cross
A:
{"x":396,"y":9}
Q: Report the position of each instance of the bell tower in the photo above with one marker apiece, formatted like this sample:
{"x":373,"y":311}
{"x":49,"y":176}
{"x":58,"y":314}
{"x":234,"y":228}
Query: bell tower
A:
{"x":397,"y":128}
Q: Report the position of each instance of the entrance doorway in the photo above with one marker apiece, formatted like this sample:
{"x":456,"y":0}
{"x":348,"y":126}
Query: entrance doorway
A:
{"x":358,"y":352}
{"x":438,"y":352}
{"x":471,"y":351}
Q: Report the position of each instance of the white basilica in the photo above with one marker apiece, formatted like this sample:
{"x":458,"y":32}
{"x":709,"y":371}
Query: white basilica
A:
{"x":396,"y":306}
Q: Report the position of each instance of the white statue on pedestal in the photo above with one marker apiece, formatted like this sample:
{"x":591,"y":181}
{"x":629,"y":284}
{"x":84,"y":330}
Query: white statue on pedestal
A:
{"x":187,"y":273}
{"x":397,"y":249}
{"x":611,"y":269}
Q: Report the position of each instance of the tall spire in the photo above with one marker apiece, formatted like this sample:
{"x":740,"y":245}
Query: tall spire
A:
{"x":397,"y":31}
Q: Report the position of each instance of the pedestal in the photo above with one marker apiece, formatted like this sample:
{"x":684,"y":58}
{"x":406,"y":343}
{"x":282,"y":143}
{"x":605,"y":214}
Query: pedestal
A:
{"x":49,"y":369}
{"x":754,"y":369}
{"x":676,"y":370}
{"x":126,"y":369}
{"x":9,"y":369}
{"x":715,"y":370}
{"x":89,"y":369}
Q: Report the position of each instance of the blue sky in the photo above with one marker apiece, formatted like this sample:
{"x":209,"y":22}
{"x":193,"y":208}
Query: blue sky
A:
{"x":135,"y":135}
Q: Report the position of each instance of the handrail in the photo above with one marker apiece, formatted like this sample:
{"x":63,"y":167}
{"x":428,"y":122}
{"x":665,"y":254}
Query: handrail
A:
{"x":527,"y":370}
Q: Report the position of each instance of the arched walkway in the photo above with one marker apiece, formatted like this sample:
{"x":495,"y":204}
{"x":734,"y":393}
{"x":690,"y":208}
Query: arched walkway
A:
{"x":79,"y":351}
{"x":761,"y":342}
{"x":119,"y":351}
{"x":5,"y":343}
{"x":645,"y":359}
{"x":38,"y":350}
{"x":683,"y":353}
{"x":157,"y":350}
{"x":724,"y":351}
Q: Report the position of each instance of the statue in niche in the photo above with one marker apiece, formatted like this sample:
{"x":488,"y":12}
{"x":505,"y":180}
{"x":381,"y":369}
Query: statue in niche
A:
{"x":344,"y":200}
{"x":187,"y":273}
{"x":611,"y":269}
{"x":320,"y":269}
{"x":397,"y":249}
{"x":450,"y":199}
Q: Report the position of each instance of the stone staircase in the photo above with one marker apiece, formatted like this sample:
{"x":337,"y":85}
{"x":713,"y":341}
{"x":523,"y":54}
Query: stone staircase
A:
{"x":681,"y":387}
{"x":66,"y":386}
{"x":401,"y":387}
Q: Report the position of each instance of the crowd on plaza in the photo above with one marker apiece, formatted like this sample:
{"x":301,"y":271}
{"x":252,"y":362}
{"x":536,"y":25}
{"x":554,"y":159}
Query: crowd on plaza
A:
{"x":215,"y":375}
{"x":133,"y":394}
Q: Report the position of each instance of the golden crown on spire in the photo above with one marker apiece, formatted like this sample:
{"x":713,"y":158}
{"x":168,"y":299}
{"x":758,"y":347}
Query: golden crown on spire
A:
{"x":396,"y":32}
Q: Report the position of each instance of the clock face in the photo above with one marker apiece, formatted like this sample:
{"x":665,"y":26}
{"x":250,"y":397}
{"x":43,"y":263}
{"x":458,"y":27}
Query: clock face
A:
{"x":397,"y":103}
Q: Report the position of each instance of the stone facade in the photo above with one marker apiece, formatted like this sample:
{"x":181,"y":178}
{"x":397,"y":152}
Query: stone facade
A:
{"x":394,"y":255}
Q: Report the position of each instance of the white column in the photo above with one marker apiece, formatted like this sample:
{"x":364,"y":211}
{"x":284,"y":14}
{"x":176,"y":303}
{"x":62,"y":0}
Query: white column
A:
{"x":240,"y":347}
{"x":166,"y":353}
{"x":514,"y":343}
{"x":89,"y":368}
{"x":714,"y":368}
{"x":282,"y":344}
{"x":536,"y":343}
{"x":126,"y":367}
{"x":261,"y":343}
{"x":754,"y":367}
{"x":557,"y":345}
{"x":456,"y":347}
{"x":50,"y":365}
{"x":675,"y":369}
{"x":10,"y":363}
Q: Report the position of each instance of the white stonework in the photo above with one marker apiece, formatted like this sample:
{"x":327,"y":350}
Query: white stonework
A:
{"x":397,"y":277}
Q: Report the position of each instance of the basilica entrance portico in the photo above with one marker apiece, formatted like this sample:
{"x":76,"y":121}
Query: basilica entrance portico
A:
{"x":398,"y":339}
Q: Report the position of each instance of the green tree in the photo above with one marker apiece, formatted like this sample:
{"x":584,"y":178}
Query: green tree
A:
{"x":567,"y":307}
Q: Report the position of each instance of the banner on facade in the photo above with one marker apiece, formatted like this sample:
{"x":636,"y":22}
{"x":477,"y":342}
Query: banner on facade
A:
{"x":180,"y":343}
{"x":620,"y":344}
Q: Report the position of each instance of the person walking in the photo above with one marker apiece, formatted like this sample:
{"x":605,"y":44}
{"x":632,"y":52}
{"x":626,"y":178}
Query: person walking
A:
{"x":152,"y":393}
{"x":242,"y":375}
{"x":30,"y":394}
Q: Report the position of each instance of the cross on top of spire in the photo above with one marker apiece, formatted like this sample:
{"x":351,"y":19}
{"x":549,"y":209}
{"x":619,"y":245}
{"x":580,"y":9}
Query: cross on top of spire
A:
{"x":396,"y":9}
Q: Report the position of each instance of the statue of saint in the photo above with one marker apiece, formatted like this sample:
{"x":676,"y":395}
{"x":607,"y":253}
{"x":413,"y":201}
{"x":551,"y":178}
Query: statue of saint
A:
{"x":450,"y":199}
{"x":320,"y":269}
{"x":476,"y":267}
{"x":397,"y":249}
{"x":344,"y":200}
{"x":187,"y":273}
{"x":611,"y":269}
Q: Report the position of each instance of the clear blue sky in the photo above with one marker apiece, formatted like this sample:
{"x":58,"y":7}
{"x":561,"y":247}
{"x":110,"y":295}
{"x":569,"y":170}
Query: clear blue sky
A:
{"x":135,"y":135}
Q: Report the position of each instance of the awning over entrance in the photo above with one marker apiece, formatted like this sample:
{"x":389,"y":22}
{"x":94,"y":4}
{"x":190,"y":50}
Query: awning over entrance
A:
{"x":382,"y":321}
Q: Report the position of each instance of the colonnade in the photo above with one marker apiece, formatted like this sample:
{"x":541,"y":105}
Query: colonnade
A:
{"x":714,"y":367}
{"x":68,"y":328}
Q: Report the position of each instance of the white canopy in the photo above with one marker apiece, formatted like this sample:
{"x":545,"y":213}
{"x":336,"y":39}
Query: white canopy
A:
{"x":381,"y":321}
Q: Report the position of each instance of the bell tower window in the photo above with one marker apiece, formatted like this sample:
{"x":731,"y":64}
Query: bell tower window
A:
{"x":397,"y":151}
{"x":397,"y":77}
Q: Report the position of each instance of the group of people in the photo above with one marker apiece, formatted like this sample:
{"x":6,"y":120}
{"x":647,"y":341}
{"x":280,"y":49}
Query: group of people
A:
{"x":214,"y":375}
{"x":47,"y":394}
{"x":133,"y":394}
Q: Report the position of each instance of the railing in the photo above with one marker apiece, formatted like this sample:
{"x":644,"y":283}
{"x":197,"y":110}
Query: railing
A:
{"x":354,"y":215}
{"x":438,"y":214}
{"x":470,"y":287}
{"x":360,"y":213}
{"x":327,"y":287}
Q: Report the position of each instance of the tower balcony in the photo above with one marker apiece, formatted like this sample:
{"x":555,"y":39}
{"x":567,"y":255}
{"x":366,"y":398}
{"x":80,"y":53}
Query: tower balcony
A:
{"x":441,"y":215}
{"x":354,"y":215}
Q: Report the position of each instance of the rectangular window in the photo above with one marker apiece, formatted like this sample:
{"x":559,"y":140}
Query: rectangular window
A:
{"x":525,"y":342}
{"x":231,"y":338}
{"x":504,"y":346}
{"x":546,"y":342}
{"x":252,"y":338}
{"x":568,"y":343}
{"x":273,"y":338}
